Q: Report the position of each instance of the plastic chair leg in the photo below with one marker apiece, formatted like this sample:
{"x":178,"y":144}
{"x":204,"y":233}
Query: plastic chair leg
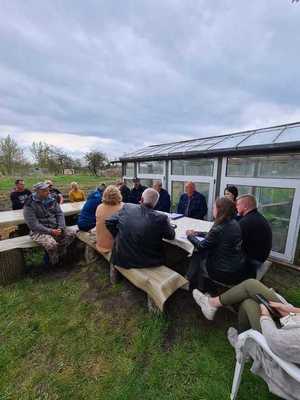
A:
{"x":239,"y":368}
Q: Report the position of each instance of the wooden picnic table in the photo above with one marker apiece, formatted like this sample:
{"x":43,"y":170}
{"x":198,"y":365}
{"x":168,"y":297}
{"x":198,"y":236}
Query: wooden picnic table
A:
{"x":182,"y":225}
{"x":15,"y":217}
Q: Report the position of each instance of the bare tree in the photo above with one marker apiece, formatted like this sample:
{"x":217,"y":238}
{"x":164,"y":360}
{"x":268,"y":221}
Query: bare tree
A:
{"x":41,"y":153}
{"x":96,"y":160}
{"x":11,"y":155}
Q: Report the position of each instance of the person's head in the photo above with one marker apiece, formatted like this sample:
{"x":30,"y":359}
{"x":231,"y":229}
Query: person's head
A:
{"x":102,"y":186}
{"x":150,"y":197}
{"x":20,"y":185}
{"x":157,"y":186}
{"x":190,"y":188}
{"x":49,"y":183}
{"x":136,"y":182}
{"x":245,"y":204}
{"x":42,"y":190}
{"x":111,"y":196}
{"x":231,"y":192}
{"x":223,"y":210}
{"x":74,"y":186}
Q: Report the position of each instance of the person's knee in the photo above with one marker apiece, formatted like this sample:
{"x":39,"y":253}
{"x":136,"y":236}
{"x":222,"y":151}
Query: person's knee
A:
{"x":251,"y":285}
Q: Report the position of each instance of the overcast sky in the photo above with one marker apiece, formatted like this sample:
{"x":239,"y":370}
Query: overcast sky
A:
{"x":119,"y":75}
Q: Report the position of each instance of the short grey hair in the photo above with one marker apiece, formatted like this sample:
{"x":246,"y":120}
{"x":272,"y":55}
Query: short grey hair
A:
{"x":250,"y":200}
{"x":150,"y":197}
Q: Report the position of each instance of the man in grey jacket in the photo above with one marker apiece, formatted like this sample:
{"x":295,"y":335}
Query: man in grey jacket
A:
{"x":46,"y":222}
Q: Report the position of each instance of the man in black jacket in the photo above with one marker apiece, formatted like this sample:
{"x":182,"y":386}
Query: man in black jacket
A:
{"x":164,"y":202}
{"x":136,"y":192}
{"x":256,"y":232}
{"x":138,"y":231}
{"x":19,"y":195}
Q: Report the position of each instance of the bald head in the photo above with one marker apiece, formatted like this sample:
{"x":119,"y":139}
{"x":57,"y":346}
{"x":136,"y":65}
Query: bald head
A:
{"x":190,"y":188}
{"x":150,"y":197}
{"x":245,"y":204}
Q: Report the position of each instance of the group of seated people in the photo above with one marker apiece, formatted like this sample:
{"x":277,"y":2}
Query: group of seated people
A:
{"x":230,"y":253}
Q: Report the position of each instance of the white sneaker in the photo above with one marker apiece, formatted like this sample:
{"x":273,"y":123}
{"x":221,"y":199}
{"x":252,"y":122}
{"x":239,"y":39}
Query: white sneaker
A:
{"x":202,"y":301}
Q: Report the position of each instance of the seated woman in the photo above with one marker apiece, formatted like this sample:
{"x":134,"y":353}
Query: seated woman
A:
{"x":111,"y":203}
{"x":231,"y":193}
{"x":75,"y":194}
{"x":283,"y":341}
{"x":219,"y":255}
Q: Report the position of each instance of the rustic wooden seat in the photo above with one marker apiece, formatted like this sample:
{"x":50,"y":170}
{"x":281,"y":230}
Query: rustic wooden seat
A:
{"x":159,"y":283}
{"x":12,"y":259}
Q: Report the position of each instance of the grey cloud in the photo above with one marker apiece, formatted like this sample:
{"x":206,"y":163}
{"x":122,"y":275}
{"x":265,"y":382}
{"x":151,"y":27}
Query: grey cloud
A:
{"x":147,"y":71}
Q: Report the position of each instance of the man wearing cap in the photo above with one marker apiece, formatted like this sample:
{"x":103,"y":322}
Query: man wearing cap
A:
{"x":46,"y":222}
{"x":54,"y":192}
{"x":136,"y":192}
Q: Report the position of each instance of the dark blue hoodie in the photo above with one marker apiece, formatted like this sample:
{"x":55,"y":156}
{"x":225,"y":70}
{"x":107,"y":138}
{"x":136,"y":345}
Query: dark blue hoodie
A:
{"x":87,"y":216}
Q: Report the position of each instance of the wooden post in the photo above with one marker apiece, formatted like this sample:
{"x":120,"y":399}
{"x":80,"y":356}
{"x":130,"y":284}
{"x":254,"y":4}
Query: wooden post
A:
{"x":12,"y":266}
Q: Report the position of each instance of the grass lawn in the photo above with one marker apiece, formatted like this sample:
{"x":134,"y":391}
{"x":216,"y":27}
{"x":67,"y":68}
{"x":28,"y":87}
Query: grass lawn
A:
{"x":67,"y":334}
{"x":7,"y":183}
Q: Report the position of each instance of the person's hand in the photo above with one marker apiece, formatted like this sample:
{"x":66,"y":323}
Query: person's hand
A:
{"x":56,"y":232}
{"x":190,"y":232}
{"x":264,"y":311}
{"x":283,"y":309}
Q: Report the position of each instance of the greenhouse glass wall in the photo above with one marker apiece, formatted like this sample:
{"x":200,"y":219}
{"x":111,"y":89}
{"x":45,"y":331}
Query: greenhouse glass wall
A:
{"x":263,"y":162}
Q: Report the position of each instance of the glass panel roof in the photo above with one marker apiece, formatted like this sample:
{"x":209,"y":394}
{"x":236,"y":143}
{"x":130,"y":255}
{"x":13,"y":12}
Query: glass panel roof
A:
{"x":230,"y":142}
{"x":261,"y":137}
{"x":290,"y":135}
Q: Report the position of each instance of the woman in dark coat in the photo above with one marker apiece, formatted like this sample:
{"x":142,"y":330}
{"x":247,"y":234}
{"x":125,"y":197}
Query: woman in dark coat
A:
{"x":219,"y":253}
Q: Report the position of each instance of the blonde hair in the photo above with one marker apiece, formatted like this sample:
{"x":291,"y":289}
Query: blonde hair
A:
{"x":249,"y":199}
{"x":112,"y":196}
{"x":74,"y":185}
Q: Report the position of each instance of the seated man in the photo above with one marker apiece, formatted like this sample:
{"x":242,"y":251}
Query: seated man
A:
{"x":138,"y":231}
{"x":87,"y":217}
{"x":164,"y":202}
{"x":125,"y":191}
{"x":136,"y":192}
{"x":256,"y":232}
{"x":192,"y":203}
{"x":46,"y":222}
{"x":19,"y":195}
{"x":54,"y":192}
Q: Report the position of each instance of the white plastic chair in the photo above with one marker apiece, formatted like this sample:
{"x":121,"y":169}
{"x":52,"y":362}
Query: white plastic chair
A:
{"x":244,"y":340}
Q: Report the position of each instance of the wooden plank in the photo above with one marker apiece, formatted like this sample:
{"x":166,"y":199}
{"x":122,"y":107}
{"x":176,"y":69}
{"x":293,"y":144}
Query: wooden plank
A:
{"x":15,"y":217}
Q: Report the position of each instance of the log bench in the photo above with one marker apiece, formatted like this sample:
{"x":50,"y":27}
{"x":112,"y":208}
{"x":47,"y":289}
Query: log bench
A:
{"x":159,"y":283}
{"x":12,"y":263}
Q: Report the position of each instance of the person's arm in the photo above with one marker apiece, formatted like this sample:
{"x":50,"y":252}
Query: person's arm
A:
{"x":201,"y":208}
{"x":16,"y":205}
{"x":211,"y":240}
{"x":112,"y":223}
{"x":71,"y":197}
{"x":60,"y":218}
{"x":168,"y":203}
{"x":180,"y":206}
{"x":83,"y":195}
{"x":168,"y":230}
{"x":33,"y":223}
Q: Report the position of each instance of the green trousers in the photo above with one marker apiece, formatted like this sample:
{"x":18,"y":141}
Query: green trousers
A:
{"x":243,"y":295}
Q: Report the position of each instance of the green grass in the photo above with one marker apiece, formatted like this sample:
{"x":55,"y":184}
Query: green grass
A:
{"x":70,"y":335}
{"x":7,"y":183}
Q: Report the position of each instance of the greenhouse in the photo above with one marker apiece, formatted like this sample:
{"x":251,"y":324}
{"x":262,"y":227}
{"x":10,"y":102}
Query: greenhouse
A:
{"x":264,"y":162}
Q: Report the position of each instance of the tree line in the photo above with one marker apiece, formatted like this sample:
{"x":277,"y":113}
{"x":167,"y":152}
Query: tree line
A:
{"x":54,"y":160}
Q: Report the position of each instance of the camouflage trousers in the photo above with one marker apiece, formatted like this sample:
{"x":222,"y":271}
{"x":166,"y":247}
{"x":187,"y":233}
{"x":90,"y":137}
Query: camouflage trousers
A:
{"x":55,"y":247}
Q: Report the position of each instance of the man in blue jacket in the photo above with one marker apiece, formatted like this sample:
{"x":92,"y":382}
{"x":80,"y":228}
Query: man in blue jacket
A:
{"x":87,"y":216}
{"x":164,"y":202}
{"x":192,"y":203}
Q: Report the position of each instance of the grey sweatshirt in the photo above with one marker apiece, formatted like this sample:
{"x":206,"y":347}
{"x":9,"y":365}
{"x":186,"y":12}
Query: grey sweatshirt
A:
{"x":284,"y":342}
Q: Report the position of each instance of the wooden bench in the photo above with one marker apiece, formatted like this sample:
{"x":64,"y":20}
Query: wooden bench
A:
{"x":12,"y":261}
{"x":159,"y":283}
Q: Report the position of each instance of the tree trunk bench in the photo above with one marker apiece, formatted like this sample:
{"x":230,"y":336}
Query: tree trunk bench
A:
{"x":12,"y":263}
